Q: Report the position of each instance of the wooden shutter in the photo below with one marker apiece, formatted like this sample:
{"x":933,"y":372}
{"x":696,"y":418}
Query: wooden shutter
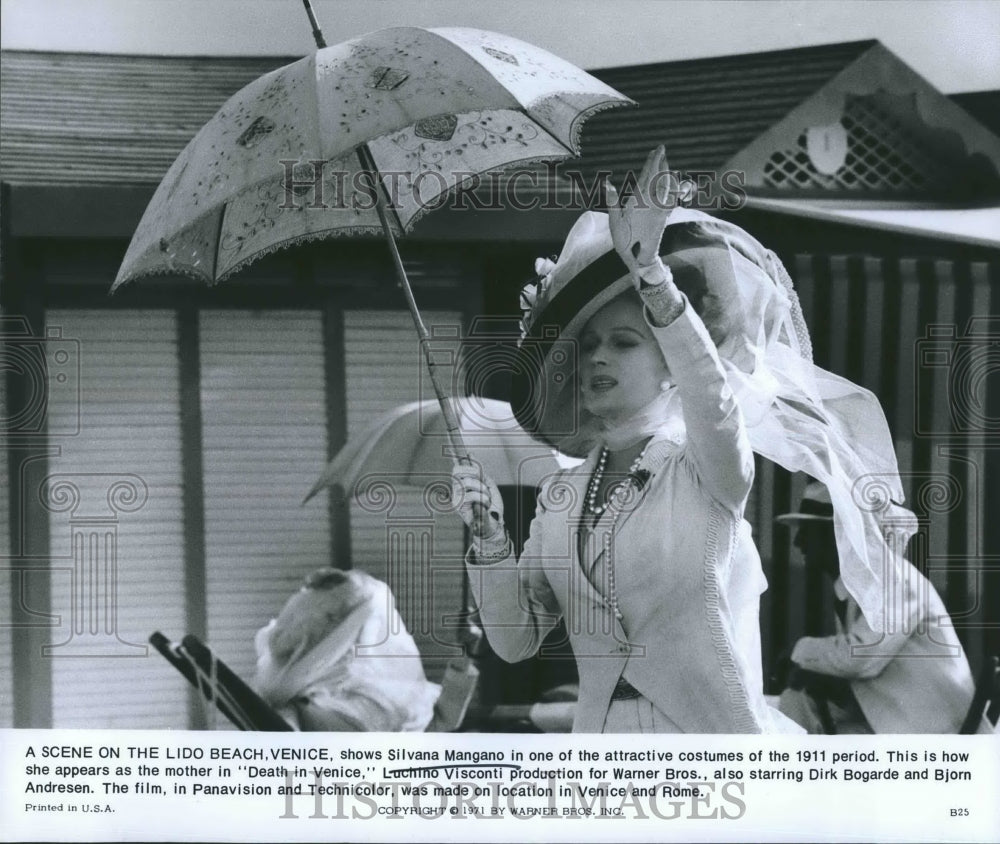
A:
{"x":413,"y":547}
{"x":125,"y":464}
{"x":265,"y":443}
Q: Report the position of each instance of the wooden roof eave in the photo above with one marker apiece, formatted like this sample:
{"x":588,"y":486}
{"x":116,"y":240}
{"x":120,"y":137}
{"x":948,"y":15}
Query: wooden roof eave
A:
{"x":876,"y":70}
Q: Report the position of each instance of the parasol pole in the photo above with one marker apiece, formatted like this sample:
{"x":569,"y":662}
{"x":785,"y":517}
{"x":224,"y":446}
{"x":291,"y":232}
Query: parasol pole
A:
{"x":444,"y":399}
{"x":317,"y":32}
{"x":368,"y":165}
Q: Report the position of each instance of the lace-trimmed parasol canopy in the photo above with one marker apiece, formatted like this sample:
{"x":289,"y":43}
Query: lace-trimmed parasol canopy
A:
{"x":356,"y":138}
{"x":287,"y":159}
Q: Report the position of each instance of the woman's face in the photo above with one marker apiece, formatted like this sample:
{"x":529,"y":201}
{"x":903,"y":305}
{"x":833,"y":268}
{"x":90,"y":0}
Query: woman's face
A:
{"x":621,"y":367}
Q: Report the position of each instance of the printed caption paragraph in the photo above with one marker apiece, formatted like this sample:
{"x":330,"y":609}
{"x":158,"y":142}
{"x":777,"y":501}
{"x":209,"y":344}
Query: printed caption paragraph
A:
{"x":66,"y":780}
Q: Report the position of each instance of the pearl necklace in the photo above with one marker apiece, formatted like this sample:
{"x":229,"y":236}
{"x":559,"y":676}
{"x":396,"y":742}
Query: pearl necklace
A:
{"x":594,"y":509}
{"x":591,"y":507}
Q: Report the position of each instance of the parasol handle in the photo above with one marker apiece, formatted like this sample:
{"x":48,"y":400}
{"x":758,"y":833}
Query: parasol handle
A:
{"x":461,"y":452}
{"x":317,"y":32}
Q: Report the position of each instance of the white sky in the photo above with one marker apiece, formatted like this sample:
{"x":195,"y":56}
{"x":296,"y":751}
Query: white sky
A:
{"x":955,"y":44}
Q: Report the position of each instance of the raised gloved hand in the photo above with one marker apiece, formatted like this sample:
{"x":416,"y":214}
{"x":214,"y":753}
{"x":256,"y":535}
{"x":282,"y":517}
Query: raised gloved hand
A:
{"x":637,"y":223}
{"x":638,"y":220}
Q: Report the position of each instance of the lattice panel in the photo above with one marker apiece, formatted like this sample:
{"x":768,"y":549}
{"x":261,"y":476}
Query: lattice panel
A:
{"x":884,"y":154}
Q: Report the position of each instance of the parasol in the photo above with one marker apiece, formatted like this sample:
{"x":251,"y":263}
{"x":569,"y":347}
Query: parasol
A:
{"x":358,"y":138}
{"x":410,"y":443}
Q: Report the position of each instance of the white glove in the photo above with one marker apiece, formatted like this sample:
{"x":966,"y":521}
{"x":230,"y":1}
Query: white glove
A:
{"x":637,"y":222}
{"x":477,"y":500}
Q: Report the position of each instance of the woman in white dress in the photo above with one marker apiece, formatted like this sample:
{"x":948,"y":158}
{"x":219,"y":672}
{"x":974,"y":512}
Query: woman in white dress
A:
{"x":661,"y":371}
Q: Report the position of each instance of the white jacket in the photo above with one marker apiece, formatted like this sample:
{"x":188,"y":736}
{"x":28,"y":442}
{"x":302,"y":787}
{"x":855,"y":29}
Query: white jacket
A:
{"x":687,"y":574}
{"x":912,"y":679}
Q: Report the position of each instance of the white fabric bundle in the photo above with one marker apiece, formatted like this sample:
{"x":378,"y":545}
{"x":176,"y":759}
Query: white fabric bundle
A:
{"x":339,"y":658}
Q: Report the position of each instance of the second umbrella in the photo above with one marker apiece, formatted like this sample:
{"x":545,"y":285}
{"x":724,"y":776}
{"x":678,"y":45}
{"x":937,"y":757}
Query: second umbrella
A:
{"x":409,"y":445}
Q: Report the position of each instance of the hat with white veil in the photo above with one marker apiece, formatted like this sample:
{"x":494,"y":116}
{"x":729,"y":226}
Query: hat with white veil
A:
{"x":797,"y":414}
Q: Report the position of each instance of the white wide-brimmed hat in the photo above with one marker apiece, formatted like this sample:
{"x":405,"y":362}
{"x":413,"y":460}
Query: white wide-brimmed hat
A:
{"x":815,"y":506}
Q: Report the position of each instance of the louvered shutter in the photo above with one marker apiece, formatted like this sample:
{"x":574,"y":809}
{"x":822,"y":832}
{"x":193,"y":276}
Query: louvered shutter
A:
{"x":6,"y":582}
{"x":115,"y":555}
{"x":265,"y":443}
{"x":413,"y":546}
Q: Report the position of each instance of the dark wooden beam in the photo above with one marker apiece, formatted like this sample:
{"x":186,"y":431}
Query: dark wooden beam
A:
{"x":28,"y":449}
{"x":193,"y":483}
{"x":335,"y":360}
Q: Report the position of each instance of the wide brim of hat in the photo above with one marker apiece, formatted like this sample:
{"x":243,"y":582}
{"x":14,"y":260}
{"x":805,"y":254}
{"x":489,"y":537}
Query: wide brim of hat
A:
{"x":544,"y":394}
